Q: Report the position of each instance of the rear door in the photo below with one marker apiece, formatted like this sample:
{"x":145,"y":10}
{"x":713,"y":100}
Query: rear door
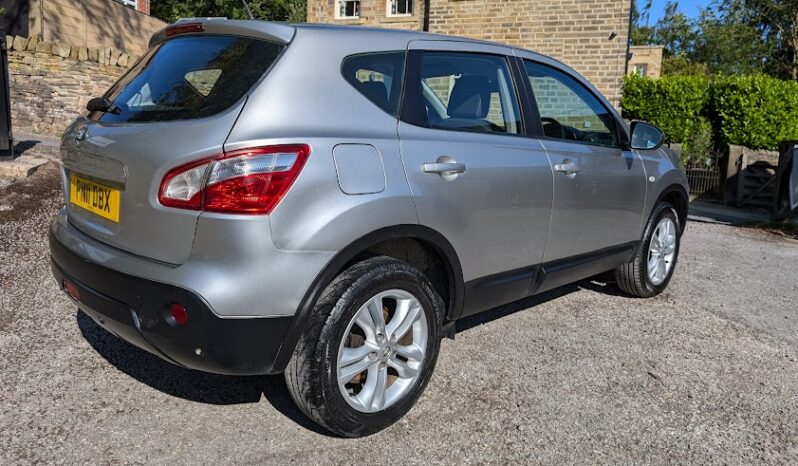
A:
{"x":176,"y":106}
{"x":477,"y":179}
{"x":599,"y":188}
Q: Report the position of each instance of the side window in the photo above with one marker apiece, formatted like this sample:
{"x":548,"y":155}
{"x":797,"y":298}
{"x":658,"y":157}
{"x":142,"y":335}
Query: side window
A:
{"x":464,"y":92}
{"x":378,"y":76}
{"x":568,"y":110}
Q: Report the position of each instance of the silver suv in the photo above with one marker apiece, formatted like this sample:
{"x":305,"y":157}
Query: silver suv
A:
{"x":327,"y":202}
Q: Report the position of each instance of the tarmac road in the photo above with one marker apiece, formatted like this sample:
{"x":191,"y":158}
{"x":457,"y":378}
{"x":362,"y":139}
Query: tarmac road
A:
{"x":707,"y":372}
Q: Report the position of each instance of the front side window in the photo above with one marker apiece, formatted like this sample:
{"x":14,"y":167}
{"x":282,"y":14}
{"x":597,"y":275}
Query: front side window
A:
{"x":378,"y":76}
{"x":347,"y":9}
{"x":400,"y":7}
{"x":641,"y":70}
{"x":464,"y":92}
{"x":568,"y":110}
{"x":189,"y":77}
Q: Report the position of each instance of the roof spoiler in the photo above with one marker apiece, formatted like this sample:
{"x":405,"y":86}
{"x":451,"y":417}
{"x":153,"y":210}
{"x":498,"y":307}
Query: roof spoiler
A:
{"x":281,"y":33}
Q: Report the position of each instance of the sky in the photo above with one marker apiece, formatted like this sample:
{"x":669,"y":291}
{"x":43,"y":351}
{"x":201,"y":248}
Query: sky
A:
{"x":690,"y":7}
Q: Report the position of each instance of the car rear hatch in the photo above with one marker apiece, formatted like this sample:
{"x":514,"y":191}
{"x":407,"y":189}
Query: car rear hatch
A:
{"x":177,"y":105}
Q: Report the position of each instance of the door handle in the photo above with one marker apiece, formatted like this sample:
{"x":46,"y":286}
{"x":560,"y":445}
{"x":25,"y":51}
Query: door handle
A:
{"x":567,"y":167}
{"x":444,"y":168}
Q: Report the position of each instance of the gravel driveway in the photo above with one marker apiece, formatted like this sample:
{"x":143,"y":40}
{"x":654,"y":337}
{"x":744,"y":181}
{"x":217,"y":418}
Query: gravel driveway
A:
{"x":705,"y":373}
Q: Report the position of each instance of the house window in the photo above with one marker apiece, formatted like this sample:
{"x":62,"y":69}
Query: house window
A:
{"x":400,"y":7}
{"x":130,"y":3}
{"x":348,"y":9}
{"x":641,"y":70}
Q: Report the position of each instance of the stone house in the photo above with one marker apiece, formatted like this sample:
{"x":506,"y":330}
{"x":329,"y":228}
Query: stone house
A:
{"x":646,"y":60}
{"x":591,"y":36}
{"x":83,"y":23}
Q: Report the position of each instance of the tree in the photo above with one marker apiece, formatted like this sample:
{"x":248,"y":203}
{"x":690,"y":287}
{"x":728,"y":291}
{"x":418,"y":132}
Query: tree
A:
{"x":273,"y":10}
{"x":641,"y":31}
{"x":675,"y":31}
{"x":777,"y":23}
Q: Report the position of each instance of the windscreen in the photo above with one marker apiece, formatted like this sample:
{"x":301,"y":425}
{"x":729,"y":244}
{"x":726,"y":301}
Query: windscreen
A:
{"x":189,"y":77}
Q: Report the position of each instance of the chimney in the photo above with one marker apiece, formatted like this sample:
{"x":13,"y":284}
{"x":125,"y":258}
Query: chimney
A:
{"x":143,"y":6}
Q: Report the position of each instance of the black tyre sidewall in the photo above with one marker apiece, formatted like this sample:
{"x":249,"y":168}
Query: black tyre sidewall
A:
{"x":661,"y":211}
{"x":348,"y":421}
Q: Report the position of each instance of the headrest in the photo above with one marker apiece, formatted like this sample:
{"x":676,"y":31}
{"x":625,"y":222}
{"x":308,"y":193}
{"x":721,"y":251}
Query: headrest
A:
{"x":470,"y":98}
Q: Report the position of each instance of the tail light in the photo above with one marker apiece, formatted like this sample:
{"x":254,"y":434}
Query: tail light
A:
{"x":249,"y":181}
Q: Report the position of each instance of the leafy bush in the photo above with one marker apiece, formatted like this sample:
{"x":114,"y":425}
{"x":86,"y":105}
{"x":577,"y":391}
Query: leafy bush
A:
{"x":699,"y":142}
{"x":755,"y":111}
{"x":673,"y":103}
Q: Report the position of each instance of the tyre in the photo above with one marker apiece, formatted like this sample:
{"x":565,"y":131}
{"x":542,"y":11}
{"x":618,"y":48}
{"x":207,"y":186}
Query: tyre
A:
{"x":650,"y":270}
{"x":369,"y":349}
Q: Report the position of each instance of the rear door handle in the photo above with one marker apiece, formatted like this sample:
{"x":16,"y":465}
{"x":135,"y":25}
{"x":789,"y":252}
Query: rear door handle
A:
{"x":567,"y":167}
{"x":444,"y":168}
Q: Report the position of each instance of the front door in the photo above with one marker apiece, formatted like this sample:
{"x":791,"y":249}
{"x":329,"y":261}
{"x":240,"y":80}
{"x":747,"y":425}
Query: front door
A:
{"x":599,"y":189}
{"x":476,"y":179}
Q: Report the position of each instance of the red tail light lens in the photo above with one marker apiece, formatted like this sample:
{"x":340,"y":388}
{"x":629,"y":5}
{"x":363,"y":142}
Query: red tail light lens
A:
{"x":250,"y":181}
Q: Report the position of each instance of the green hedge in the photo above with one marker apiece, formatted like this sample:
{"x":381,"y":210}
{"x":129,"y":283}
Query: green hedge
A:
{"x":754,"y":111}
{"x":672,"y":103}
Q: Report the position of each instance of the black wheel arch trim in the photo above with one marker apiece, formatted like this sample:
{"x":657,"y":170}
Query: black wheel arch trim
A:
{"x":349,"y":253}
{"x":675,"y":188}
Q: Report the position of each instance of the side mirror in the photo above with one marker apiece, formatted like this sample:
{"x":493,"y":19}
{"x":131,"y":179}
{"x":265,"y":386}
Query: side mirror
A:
{"x":646,"y":136}
{"x":101,"y":104}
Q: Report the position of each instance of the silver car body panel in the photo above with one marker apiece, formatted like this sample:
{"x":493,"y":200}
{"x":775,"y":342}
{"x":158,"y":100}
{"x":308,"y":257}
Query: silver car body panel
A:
{"x":495,"y":215}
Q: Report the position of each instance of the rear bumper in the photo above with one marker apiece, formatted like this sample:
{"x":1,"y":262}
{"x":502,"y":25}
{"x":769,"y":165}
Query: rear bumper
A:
{"x":135,"y":310}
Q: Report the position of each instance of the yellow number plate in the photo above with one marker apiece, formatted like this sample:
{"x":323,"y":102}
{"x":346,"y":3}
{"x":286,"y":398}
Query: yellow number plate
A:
{"x":94,"y":197}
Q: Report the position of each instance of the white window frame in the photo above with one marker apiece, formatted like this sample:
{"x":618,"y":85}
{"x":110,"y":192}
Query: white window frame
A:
{"x":340,"y":3}
{"x":641,"y":69}
{"x":389,"y":9}
{"x":130,"y":3}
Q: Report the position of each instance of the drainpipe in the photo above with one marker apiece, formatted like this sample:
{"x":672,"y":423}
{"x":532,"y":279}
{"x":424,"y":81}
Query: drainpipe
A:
{"x":628,"y":40}
{"x":425,"y":27}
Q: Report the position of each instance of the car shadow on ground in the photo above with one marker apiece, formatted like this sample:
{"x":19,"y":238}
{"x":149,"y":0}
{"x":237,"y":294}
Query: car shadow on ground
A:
{"x":192,"y":385}
{"x":202,"y":387}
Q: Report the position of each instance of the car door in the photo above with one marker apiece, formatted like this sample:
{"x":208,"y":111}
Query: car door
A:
{"x":476,"y":178}
{"x":599,"y":188}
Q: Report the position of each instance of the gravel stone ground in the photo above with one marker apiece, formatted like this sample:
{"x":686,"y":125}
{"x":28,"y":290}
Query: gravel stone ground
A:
{"x":707,"y":372}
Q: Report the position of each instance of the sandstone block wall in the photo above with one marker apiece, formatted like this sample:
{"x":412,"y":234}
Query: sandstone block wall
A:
{"x":92,"y":23}
{"x":51,"y":82}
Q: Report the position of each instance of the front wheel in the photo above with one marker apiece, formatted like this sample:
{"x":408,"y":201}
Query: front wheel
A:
{"x":370,"y":348}
{"x":652,"y":266}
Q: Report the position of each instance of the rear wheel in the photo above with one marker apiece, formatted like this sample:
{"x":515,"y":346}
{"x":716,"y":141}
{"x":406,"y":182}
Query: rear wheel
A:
{"x":370,"y":348}
{"x":651,"y":269}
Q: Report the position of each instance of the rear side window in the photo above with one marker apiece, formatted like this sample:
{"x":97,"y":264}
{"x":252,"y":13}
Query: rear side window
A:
{"x":378,"y":76}
{"x":189,"y":77}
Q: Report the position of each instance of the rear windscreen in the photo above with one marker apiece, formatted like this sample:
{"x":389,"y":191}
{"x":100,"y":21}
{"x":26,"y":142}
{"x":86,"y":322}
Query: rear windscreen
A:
{"x":189,"y":77}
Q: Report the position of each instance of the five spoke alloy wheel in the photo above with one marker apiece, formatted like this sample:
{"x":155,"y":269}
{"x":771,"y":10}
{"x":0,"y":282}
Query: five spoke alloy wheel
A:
{"x":382,"y":352}
{"x":662,"y":251}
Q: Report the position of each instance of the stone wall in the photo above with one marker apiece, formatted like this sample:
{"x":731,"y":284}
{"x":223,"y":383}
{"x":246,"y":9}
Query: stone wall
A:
{"x":52,"y":82}
{"x":588,"y":35}
{"x":646,"y":60}
{"x":92,"y":23}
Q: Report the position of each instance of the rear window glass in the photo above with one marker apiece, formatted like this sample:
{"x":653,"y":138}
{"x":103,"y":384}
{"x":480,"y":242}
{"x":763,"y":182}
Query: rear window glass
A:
{"x":378,"y":76}
{"x":189,"y":77}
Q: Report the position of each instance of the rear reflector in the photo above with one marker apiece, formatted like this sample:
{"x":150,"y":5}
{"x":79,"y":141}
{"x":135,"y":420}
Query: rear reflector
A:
{"x":249,"y":181}
{"x":179,"y":314}
{"x":71,"y":290}
{"x":189,"y":28}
